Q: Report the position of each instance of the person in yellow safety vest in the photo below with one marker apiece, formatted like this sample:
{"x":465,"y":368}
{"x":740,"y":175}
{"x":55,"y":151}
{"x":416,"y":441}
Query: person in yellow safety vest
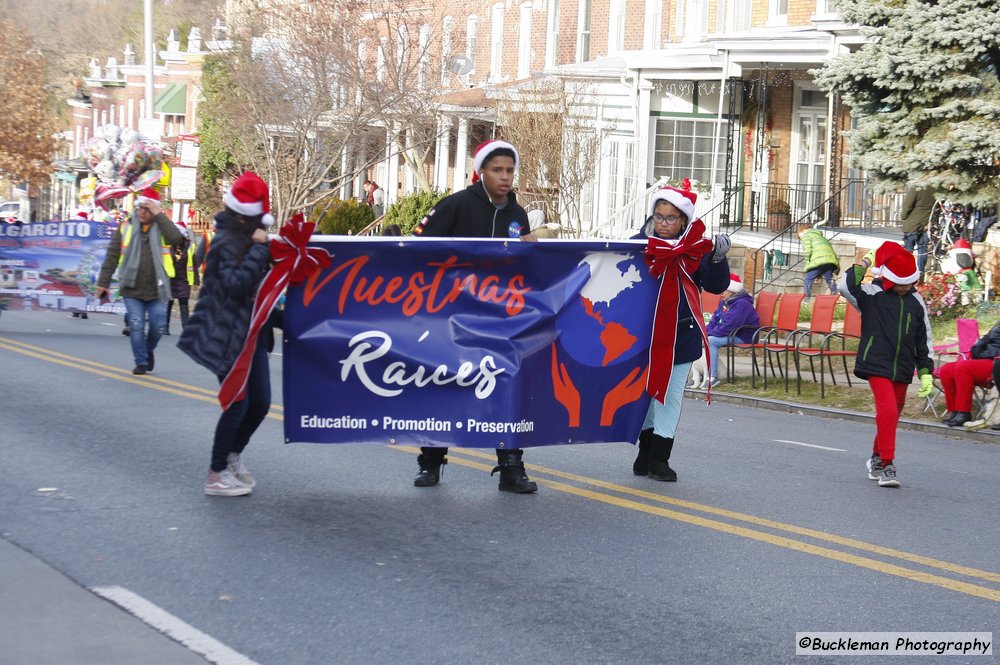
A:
{"x":201,"y":252}
{"x":140,"y":252}
{"x":182,"y":258}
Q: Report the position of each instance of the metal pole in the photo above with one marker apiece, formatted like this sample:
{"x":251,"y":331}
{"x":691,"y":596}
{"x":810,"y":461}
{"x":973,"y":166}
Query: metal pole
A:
{"x":149,"y":57}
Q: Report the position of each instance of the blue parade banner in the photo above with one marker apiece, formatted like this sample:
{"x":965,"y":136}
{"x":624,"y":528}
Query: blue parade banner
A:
{"x":54,"y":265}
{"x":472,"y":343}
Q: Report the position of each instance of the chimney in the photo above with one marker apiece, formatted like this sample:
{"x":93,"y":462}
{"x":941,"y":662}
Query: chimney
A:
{"x":111,"y":69}
{"x":194,"y":40}
{"x":129,"y":55}
{"x":173,"y":45}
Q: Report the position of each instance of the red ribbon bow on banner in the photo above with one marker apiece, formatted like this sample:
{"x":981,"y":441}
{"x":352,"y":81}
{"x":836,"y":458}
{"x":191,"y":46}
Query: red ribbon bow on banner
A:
{"x":673,"y":262}
{"x":294,"y":262}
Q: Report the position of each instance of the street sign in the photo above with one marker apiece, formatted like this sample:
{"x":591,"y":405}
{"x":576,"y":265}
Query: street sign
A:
{"x":183,"y":184}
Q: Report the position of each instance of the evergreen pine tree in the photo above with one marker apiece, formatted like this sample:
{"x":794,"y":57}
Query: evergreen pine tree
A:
{"x":925,"y":92}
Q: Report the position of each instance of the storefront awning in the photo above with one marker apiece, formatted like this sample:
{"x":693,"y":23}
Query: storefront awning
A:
{"x":173,"y":100}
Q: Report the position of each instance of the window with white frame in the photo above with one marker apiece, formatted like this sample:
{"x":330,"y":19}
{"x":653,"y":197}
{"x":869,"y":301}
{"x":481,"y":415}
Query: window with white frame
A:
{"x":651,"y":25}
{"x":524,"y":42}
{"x":552,"y":34}
{"x":380,"y":59}
{"x":697,"y":19}
{"x":446,"y":27}
{"x":684,"y":147}
{"x":423,"y":44}
{"x":471,"y":33}
{"x":496,"y":43}
{"x":402,"y":46}
{"x":583,"y":32}
{"x":778,"y":12}
{"x":616,"y":26}
{"x":617,"y":183}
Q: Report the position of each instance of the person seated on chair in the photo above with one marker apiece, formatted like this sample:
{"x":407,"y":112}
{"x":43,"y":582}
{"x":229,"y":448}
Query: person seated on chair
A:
{"x":735,"y":311}
{"x":959,"y":378}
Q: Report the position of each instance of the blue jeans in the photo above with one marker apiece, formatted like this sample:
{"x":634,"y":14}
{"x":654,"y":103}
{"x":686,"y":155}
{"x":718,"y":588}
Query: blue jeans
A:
{"x":826,"y":270}
{"x":663,"y":418}
{"x":238,"y":423}
{"x":920,"y":240}
{"x":714,"y":344}
{"x":137,"y":312}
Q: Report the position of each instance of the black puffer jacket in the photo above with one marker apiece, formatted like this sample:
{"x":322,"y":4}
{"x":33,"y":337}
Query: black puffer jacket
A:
{"x":893,"y":333}
{"x":988,"y":346}
{"x":711,"y":277}
{"x":234,"y":268}
{"x":470,"y":214}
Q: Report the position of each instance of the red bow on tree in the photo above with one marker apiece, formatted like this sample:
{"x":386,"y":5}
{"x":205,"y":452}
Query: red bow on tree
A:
{"x":294,"y":262}
{"x":673,"y":262}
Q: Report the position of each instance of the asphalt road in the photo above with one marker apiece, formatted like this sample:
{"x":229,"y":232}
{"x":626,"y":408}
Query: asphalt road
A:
{"x":772,"y":529}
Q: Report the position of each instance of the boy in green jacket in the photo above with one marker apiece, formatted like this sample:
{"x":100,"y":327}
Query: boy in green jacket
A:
{"x":819,"y":257}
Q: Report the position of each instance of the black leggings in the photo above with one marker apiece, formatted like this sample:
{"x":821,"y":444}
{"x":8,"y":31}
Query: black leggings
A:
{"x":238,"y":423}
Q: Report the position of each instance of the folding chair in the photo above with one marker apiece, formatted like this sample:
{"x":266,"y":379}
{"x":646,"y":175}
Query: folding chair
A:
{"x":820,"y":324}
{"x":851,"y":330}
{"x":709,"y":301}
{"x":967,"y":334}
{"x":767,"y":302}
{"x":777,"y":337}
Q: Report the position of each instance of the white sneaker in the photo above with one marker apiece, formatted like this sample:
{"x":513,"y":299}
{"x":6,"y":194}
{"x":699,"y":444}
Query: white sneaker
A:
{"x":224,"y":483}
{"x":709,"y":383}
{"x":236,"y":467}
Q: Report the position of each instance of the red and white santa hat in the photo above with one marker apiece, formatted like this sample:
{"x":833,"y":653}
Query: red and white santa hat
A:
{"x":682,"y":199}
{"x":735,"y":283}
{"x":249,"y":196}
{"x":82,"y":213}
{"x":183,"y":227}
{"x":961,"y":246}
{"x":895,"y":265}
{"x":484,"y":150}
{"x":148,"y":195}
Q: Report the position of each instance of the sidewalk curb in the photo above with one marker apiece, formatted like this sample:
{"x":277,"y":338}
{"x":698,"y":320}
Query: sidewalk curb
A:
{"x":980,"y":436}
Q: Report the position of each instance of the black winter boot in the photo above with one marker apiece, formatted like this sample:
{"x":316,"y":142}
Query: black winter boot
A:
{"x":430,"y":461}
{"x":659,"y":456}
{"x":959,"y":419}
{"x":512,"y":475}
{"x":640,"y":466}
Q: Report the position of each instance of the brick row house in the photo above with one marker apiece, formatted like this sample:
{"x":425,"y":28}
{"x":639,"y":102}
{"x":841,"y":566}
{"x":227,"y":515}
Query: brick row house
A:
{"x":717,"y":91}
{"x":114,"y":93}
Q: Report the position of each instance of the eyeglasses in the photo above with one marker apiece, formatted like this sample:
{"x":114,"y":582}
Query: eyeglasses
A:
{"x":669,"y":219}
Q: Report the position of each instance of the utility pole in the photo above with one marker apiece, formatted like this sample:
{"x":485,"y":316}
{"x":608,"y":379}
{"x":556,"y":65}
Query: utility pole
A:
{"x":149,"y":58}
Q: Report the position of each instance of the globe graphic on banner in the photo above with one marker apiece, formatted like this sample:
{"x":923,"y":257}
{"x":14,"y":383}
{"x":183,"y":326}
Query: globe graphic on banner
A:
{"x":611,"y":315}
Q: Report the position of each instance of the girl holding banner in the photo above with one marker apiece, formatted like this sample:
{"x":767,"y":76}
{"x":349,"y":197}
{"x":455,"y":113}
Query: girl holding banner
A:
{"x":685,"y":262}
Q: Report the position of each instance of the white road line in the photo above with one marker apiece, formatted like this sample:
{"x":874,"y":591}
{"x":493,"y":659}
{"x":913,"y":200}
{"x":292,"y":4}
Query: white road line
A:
{"x":811,"y":445}
{"x":171,"y":626}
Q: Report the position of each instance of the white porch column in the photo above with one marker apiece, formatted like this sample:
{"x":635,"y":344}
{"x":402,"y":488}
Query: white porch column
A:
{"x":392,"y":176}
{"x":441,"y":158}
{"x":409,"y":177}
{"x":345,"y":185}
{"x":461,"y":156}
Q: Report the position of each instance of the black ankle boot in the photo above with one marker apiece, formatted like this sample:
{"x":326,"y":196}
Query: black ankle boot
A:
{"x":659,"y":456}
{"x":512,"y":475}
{"x":640,"y":466}
{"x":959,"y":419}
{"x":430,"y":468}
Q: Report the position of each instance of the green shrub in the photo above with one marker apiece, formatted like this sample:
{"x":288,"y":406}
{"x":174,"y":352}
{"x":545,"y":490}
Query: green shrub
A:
{"x":338,"y":217}
{"x":409,"y":210}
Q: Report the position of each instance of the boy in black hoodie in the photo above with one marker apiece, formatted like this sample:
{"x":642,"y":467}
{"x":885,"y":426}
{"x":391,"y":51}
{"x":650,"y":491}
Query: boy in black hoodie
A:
{"x":485,"y":209}
{"x":893,"y":346}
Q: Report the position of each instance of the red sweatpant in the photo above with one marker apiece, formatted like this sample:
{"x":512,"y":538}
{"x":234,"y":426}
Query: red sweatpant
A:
{"x":959,"y":378}
{"x":889,"y":399}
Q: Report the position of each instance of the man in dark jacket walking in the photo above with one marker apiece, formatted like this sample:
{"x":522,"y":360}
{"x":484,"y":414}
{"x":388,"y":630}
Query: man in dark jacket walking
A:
{"x":918,"y":204}
{"x":485,"y":209}
{"x":140,"y":251}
